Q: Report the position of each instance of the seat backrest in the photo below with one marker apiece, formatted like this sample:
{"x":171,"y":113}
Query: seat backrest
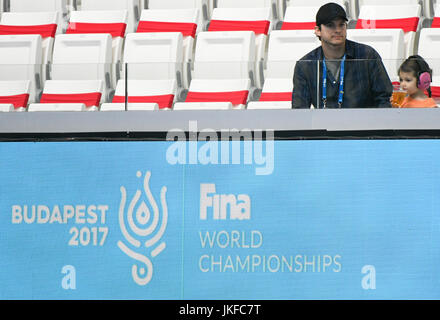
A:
{"x":389,"y":43}
{"x":19,"y":49}
{"x":244,"y":3}
{"x":429,"y":48}
{"x":300,"y":18}
{"x":176,"y":4}
{"x":75,"y":89}
{"x":72,"y":86}
{"x":286,"y":48}
{"x":316,"y":3}
{"x":153,"y":55}
{"x":371,"y":17}
{"x":20,"y":59}
{"x":202,"y":5}
{"x":224,"y":55}
{"x":82,"y":57}
{"x":100,"y":21}
{"x":260,"y":19}
{"x":132,"y":7}
{"x":387,"y":2}
{"x":43,"y":23}
{"x":138,"y":88}
{"x":32,"y":19}
{"x":273,"y":4}
{"x":189,"y":16}
{"x":38,"y":6}
{"x":162,"y":92}
{"x":235,"y":91}
{"x":278,"y":85}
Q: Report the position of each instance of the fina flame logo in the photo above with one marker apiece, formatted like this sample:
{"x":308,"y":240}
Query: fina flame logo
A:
{"x":145,"y":227}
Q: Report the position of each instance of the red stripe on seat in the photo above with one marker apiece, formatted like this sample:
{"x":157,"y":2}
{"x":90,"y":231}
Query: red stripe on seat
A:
{"x":115,"y":29}
{"x":187,"y":29}
{"x":89,"y":99}
{"x":435,"y":92}
{"x":19,"y":100}
{"x":276,"y":96}
{"x":298,"y":26}
{"x":164,"y":101}
{"x":45,"y":30}
{"x":407,"y":24}
{"x":235,"y":97}
{"x":436,"y":22}
{"x":259,"y":27}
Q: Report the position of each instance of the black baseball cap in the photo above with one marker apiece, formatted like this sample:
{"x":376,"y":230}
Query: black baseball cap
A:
{"x":329,"y":12}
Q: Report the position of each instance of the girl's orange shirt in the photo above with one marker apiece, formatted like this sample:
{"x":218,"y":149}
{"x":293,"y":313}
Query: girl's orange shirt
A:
{"x":413,"y":103}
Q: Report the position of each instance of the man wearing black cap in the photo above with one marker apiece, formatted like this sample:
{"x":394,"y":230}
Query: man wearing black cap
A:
{"x":340,"y":73}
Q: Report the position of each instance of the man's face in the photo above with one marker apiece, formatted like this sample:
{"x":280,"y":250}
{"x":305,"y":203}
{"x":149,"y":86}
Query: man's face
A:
{"x":333,"y":33}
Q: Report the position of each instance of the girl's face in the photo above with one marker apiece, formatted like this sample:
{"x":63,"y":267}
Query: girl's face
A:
{"x":408,"y":82}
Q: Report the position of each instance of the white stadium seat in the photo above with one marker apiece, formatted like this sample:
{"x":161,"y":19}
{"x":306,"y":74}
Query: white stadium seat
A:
{"x":406,"y":17}
{"x":285,"y":49}
{"x":83,"y":57}
{"x":225,"y":55}
{"x":70,"y":95}
{"x":257,"y":20}
{"x":319,"y":3}
{"x":14,"y":95}
{"x":113,"y":22}
{"x":216,"y":95}
{"x":205,"y":8}
{"x":389,"y":43}
{"x":276,"y":94}
{"x":223,"y":70}
{"x":79,"y":49}
{"x":277,"y":6}
{"x":177,"y":20}
{"x":41,"y":6}
{"x":143,"y":95}
{"x":154,"y":56}
{"x":132,"y":7}
{"x":43,"y":23}
{"x":38,"y":6}
{"x":20,"y":59}
{"x":300,"y":18}
{"x":362,"y":3}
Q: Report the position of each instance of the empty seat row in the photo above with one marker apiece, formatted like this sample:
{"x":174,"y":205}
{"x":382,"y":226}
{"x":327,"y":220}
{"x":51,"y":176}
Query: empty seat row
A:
{"x":206,"y":6}
{"x":406,"y":17}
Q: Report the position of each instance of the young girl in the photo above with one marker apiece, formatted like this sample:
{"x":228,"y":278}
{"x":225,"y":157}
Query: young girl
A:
{"x":415,"y":77}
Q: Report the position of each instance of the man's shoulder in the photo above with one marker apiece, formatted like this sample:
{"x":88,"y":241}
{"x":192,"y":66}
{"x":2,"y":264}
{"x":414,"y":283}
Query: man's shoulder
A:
{"x":312,"y":55}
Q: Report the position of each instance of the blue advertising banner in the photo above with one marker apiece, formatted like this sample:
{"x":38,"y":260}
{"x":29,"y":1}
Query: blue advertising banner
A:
{"x":351,"y":219}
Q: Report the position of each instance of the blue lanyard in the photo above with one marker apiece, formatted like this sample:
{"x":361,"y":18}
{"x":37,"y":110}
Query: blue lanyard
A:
{"x":341,"y":83}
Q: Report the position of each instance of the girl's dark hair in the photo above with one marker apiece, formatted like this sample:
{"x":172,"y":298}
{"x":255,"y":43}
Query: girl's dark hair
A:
{"x":417,"y":65}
